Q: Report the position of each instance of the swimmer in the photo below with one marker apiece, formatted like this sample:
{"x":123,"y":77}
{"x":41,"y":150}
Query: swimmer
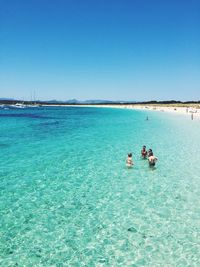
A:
{"x":150,"y":152}
{"x":144,"y":152}
{"x":129,"y":161}
{"x":152,"y":160}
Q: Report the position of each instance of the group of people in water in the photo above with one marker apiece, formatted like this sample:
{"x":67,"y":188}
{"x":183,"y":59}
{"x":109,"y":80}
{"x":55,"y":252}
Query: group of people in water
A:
{"x":145,"y":155}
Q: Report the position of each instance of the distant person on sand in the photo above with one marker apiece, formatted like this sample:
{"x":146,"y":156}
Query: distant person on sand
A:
{"x":129,"y":160}
{"x":152,"y":159}
{"x":144,"y":152}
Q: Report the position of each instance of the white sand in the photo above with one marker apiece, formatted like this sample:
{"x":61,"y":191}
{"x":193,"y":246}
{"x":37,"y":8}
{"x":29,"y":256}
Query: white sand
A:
{"x":189,"y":111}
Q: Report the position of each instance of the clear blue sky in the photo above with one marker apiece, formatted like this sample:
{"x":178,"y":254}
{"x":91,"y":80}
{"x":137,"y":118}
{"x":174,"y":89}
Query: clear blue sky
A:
{"x":100,"y":49}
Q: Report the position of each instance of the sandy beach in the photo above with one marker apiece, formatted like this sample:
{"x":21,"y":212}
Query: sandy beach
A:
{"x":192,"y":111}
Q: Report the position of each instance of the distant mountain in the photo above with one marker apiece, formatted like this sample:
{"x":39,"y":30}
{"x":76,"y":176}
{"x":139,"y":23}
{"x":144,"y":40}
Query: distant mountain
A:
{"x":97,"y":101}
{"x":52,"y":101}
{"x":12,"y":101}
{"x":71,"y":101}
{"x":75,"y":101}
{"x":4,"y":98}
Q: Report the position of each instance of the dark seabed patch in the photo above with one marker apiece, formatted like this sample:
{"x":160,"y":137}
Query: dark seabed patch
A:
{"x":4,"y":145}
{"x":132,"y":230}
{"x":54,"y":123}
{"x":26,"y":115}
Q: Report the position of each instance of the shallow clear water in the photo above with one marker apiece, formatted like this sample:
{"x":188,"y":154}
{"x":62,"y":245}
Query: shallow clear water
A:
{"x":67,"y":198}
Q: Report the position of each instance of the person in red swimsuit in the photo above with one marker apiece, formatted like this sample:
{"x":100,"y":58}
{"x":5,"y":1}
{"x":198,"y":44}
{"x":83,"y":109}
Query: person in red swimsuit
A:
{"x":144,"y":152}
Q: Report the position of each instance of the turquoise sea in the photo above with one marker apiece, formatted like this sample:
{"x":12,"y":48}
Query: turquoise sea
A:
{"x":67,"y":198}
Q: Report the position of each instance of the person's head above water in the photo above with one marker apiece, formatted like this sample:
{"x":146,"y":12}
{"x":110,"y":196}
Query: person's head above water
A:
{"x":129,"y":155}
{"x":144,"y":147}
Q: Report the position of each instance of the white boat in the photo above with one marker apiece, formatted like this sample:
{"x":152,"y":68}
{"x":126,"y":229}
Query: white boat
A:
{"x":19,"y":105}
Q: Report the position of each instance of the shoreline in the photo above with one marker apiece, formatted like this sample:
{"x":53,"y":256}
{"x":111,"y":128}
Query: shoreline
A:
{"x":190,"y":110}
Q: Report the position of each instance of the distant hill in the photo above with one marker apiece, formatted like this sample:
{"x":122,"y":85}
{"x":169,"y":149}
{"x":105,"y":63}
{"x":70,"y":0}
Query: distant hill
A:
{"x":11,"y":101}
{"x":92,"y":101}
{"x":97,"y":101}
{"x":8,"y":99}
